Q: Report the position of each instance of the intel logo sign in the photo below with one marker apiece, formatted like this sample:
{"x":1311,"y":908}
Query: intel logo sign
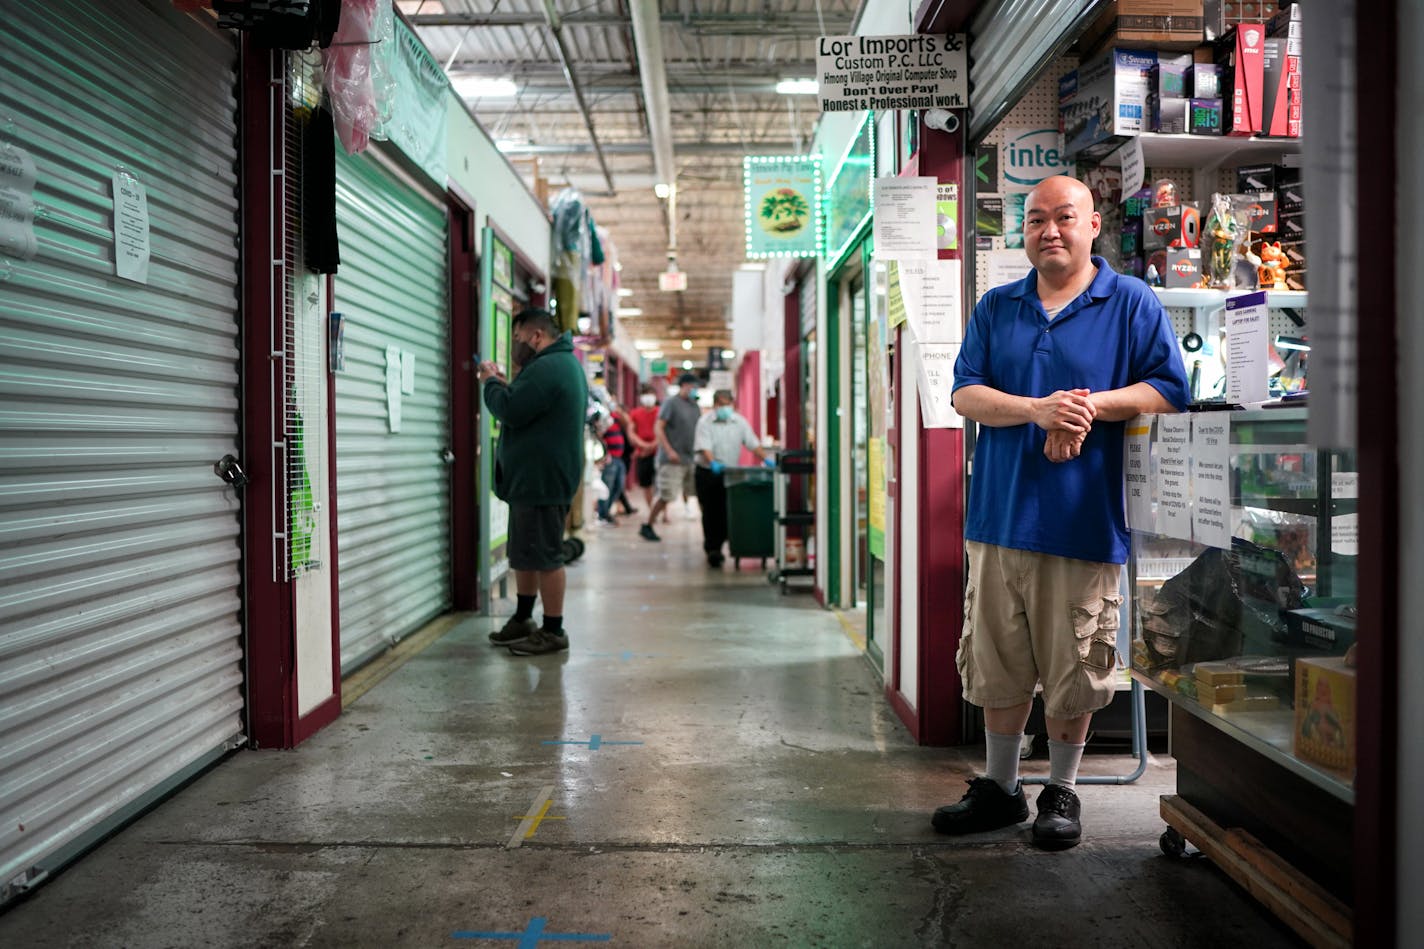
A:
{"x":1031,"y":156}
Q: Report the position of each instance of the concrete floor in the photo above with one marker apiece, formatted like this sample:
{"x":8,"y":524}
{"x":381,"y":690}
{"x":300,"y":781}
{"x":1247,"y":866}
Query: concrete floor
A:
{"x":772,"y":799}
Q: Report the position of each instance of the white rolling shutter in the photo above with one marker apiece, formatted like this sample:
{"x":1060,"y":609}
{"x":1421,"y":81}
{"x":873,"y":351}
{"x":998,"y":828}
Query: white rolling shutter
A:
{"x":120,"y":630}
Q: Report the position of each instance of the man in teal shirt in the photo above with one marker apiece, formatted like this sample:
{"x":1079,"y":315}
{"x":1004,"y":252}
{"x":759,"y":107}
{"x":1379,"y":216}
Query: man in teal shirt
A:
{"x":538,"y":465}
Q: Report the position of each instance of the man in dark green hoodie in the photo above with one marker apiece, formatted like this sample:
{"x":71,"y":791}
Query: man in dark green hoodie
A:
{"x":538,"y":464}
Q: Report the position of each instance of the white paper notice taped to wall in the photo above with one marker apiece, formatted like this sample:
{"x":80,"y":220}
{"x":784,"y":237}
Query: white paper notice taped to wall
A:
{"x":1137,"y":471}
{"x":1174,"y":499}
{"x":1211,"y":482}
{"x":935,"y":368}
{"x":131,"y":236}
{"x":1248,"y":323}
{"x":17,"y":203}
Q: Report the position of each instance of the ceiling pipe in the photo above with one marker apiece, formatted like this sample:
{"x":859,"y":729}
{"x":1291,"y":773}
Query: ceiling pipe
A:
{"x":648,"y":40}
{"x":551,"y":18}
{"x":643,"y":148}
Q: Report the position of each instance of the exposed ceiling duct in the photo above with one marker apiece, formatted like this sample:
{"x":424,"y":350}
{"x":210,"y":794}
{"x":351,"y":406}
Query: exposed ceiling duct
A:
{"x":648,"y":39}
{"x":551,"y":16}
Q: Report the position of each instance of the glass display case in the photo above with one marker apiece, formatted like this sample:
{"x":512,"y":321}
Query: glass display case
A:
{"x":1249,"y":632}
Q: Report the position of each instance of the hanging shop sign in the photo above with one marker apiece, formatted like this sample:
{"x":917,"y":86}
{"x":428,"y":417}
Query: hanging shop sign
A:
{"x":847,"y":198}
{"x":784,"y":217}
{"x":418,"y":124}
{"x":885,"y":73}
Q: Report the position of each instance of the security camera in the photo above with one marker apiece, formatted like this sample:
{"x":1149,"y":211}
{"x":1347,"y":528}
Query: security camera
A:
{"x":943,"y":120}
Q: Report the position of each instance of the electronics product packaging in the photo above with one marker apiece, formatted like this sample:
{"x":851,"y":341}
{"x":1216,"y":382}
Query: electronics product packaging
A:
{"x":1205,"y":81}
{"x":1243,"y":77}
{"x":1178,"y":225}
{"x":1325,"y":713}
{"x":1204,"y":116}
{"x":1106,"y":99}
{"x":1169,"y":116}
{"x":1256,"y":211}
{"x":1183,"y":267}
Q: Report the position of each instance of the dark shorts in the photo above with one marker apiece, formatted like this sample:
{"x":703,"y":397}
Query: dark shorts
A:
{"x":536,"y":537}
{"x":647,"y":471}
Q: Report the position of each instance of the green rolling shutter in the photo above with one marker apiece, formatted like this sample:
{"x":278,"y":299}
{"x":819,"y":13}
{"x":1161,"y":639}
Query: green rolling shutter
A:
{"x":393,"y":487}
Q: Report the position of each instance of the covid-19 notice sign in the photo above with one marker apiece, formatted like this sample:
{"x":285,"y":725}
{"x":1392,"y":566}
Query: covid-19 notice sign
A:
{"x":885,"y":73}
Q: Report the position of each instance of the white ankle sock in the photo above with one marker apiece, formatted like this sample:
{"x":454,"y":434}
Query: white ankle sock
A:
{"x":1063,"y":760}
{"x":1001,"y":759}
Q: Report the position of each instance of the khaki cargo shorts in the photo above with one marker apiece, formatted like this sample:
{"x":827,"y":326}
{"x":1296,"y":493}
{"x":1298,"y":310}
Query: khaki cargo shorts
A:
{"x":1031,"y":618}
{"x":675,"y":481}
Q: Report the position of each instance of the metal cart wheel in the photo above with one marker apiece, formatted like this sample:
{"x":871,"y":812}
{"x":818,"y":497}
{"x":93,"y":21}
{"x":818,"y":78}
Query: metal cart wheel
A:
{"x":1172,"y":842}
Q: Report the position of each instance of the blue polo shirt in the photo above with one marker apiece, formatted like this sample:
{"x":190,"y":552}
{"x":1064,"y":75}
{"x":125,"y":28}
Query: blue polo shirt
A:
{"x":1115,"y":334}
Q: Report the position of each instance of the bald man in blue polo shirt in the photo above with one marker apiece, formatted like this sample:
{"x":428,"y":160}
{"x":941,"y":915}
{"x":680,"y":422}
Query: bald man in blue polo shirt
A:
{"x":1051,"y":368}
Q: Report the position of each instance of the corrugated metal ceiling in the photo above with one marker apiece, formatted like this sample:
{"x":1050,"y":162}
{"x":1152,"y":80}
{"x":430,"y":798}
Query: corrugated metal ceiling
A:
{"x":723,"y":59}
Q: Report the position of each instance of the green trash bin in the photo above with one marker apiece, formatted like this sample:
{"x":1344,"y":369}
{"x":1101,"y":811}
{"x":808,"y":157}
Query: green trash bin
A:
{"x":751,"y":514}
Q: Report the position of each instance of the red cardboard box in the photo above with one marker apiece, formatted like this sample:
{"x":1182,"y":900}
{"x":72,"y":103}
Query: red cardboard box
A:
{"x":1245,"y":55}
{"x":1276,"y":87}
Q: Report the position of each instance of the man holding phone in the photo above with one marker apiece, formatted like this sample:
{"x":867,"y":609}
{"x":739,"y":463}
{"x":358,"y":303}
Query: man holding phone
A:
{"x":538,"y":465}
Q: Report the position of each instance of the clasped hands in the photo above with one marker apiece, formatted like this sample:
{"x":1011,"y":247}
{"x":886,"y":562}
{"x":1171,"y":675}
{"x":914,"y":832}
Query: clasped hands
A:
{"x":1067,"y":417}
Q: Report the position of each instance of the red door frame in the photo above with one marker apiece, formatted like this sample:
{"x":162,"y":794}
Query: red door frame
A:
{"x":464,"y":401}
{"x":937,"y":716}
{"x":270,"y":598}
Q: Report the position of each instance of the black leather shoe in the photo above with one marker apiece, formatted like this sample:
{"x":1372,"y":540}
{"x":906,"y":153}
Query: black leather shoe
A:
{"x":1057,"y":826}
{"x":984,"y":806}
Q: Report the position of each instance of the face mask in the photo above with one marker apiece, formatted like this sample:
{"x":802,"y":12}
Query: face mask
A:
{"x":692,"y":395}
{"x":724,"y":413}
{"x":647,"y":401}
{"x":522,"y":353}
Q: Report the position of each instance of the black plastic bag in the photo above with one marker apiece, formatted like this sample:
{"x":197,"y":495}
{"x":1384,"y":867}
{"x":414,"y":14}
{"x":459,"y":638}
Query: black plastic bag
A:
{"x":1227,"y":602}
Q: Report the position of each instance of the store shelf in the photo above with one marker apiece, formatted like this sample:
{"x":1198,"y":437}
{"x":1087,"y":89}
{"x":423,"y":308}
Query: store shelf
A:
{"x":1207,"y":151}
{"x":1197,"y":298}
{"x":1267,"y":733}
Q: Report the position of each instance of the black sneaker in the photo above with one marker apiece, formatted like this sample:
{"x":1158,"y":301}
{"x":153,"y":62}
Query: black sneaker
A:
{"x":647,"y":533}
{"x":541,"y":642}
{"x":1057,"y":826}
{"x":714,"y":560}
{"x":514,"y":631}
{"x":985,"y":806}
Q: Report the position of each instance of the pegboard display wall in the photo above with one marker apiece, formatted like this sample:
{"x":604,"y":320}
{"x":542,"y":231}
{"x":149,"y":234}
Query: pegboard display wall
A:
{"x":1038,"y":109}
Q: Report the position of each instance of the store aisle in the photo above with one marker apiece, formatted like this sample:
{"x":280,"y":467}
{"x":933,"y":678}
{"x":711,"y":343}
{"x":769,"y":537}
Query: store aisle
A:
{"x":711,"y":764}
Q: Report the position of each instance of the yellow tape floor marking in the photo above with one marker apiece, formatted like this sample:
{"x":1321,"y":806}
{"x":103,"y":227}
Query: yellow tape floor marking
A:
{"x":851,"y":632}
{"x":528,"y":823}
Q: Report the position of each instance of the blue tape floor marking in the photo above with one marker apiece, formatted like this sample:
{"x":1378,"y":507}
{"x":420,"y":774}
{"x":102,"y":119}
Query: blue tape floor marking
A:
{"x":594,"y":742}
{"x":535,"y":934}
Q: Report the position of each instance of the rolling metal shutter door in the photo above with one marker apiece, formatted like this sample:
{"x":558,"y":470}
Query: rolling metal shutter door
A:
{"x":120,"y":636}
{"x":393,"y":488}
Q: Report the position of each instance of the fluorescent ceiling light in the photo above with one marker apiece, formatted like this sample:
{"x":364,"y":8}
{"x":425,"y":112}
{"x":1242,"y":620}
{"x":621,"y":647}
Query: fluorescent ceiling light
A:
{"x":511,"y":144}
{"x":629,"y":311}
{"x":652,"y":354}
{"x":729,"y":354}
{"x":646,"y":344}
{"x":625,"y":291}
{"x":687,"y":364}
{"x":661,"y":189}
{"x":797,"y":87}
{"x":687,"y":344}
{"x":485,"y":87}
